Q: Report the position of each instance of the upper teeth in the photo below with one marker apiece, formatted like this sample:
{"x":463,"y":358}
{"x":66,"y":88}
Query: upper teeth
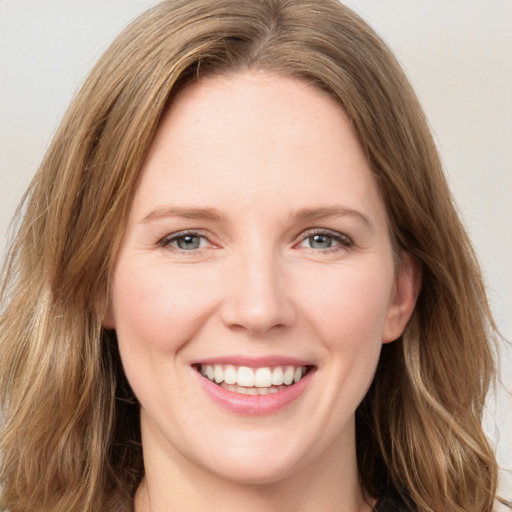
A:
{"x":253,"y":377}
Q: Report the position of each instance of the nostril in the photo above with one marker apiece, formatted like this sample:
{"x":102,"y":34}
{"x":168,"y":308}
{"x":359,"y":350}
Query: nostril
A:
{"x":258,"y":318}
{"x":257,"y":298}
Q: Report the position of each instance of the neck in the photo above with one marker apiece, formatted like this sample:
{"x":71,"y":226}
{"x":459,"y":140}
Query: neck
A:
{"x":329,"y":483}
{"x":271,"y":498}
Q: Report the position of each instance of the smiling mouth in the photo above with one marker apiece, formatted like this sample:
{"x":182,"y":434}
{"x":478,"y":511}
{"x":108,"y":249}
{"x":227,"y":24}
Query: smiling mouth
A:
{"x":253,"y":381}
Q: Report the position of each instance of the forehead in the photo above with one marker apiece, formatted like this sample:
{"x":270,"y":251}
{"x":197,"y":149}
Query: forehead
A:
{"x":255,"y":135}
{"x":224,"y":104}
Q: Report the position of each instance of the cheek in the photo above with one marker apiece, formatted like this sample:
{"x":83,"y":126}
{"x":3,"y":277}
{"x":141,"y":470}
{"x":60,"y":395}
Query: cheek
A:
{"x":155,"y":314}
{"x":348,"y":317}
{"x":155,"y":309}
{"x":351,"y":305}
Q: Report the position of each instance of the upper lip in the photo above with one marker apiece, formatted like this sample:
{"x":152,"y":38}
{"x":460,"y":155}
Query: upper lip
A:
{"x":254,"y":362}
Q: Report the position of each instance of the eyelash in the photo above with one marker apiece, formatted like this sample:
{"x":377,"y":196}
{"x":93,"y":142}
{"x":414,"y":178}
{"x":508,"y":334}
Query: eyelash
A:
{"x":167,"y":241}
{"x":343,"y":241}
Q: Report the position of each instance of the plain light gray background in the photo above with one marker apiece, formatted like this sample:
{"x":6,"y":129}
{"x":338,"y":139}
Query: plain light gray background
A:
{"x":457,"y":53}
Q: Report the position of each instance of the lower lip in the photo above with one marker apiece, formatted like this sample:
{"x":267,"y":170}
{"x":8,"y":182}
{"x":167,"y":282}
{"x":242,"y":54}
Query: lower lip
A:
{"x":255,"y":405}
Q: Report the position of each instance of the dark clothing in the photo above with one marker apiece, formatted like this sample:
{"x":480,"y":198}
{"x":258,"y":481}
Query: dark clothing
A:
{"x":393,"y":502}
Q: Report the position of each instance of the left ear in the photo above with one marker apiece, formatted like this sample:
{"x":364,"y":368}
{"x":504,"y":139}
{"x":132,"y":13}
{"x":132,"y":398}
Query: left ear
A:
{"x":403,"y":299}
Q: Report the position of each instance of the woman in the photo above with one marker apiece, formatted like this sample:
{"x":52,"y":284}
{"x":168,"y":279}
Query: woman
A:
{"x":241,"y":282}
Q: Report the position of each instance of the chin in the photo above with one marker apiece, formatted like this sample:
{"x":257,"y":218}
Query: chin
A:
{"x":259,"y":462}
{"x":261,"y":472}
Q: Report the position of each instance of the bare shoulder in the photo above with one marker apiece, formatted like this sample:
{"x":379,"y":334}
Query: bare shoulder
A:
{"x":502,"y":505}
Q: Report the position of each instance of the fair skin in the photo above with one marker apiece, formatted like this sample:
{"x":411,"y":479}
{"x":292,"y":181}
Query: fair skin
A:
{"x":256,"y":239}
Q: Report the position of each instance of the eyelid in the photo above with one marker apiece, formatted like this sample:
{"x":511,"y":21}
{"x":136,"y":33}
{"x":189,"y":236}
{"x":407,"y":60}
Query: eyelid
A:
{"x":344,"y":240}
{"x":166,"y":241}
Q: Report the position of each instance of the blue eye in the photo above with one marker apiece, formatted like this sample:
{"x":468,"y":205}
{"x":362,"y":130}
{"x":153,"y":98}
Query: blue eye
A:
{"x":185,"y":241}
{"x":320,"y":241}
{"x":188,"y":242}
{"x":323,"y":241}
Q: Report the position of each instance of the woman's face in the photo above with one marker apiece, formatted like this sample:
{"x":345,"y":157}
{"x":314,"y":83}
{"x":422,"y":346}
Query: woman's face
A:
{"x":255,"y":283}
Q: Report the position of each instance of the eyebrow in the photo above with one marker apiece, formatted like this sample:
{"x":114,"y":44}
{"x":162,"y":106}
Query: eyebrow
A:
{"x":183,"y":212}
{"x":309,"y":214}
{"x":212,"y":214}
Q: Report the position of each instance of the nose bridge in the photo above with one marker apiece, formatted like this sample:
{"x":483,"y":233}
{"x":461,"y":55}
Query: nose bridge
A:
{"x":258,"y":295}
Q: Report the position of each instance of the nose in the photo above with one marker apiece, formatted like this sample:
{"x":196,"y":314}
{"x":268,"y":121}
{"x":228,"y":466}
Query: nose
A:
{"x":258,"y":295}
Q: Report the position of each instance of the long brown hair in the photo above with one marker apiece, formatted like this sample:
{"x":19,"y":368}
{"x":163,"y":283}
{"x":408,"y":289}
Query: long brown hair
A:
{"x":70,"y":439}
